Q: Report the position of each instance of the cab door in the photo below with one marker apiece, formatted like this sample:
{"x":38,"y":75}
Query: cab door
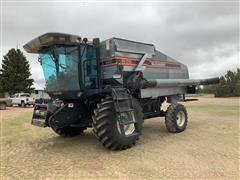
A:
{"x":90,"y":73}
{"x":15,"y":99}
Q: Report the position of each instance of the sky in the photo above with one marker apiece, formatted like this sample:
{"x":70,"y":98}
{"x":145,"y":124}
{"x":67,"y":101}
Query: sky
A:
{"x":202,"y":35}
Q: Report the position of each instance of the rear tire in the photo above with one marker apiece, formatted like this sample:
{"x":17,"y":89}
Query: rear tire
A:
{"x":3,"y":106}
{"x":106,"y":126}
{"x":176,"y":118}
{"x":23,"y":104}
{"x":69,"y":131}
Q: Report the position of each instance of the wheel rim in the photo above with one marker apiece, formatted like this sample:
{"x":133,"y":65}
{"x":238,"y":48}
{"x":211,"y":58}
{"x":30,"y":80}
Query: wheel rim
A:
{"x":128,"y":129}
{"x":181,"y":118}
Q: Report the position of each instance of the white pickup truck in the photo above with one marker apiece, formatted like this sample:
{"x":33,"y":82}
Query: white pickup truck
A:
{"x":22,"y":99}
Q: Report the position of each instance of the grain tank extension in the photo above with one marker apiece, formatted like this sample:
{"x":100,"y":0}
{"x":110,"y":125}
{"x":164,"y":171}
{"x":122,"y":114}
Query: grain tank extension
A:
{"x":109,"y":86}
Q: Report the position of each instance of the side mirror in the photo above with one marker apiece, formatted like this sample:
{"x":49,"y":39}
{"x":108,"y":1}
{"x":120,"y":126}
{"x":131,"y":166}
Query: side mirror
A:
{"x":96,"y":42}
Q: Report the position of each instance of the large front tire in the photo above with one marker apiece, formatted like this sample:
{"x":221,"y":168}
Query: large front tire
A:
{"x":176,"y":118}
{"x":106,"y":126}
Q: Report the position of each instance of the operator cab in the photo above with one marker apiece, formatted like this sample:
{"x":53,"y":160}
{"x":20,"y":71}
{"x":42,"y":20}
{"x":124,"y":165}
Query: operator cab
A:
{"x":69,"y":64}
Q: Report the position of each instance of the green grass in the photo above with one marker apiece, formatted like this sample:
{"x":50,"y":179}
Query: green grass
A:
{"x":210,"y":106}
{"x":214,"y":107}
{"x":220,"y":109}
{"x":14,"y":128}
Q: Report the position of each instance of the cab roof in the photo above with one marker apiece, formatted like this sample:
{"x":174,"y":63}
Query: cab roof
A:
{"x":49,"y":39}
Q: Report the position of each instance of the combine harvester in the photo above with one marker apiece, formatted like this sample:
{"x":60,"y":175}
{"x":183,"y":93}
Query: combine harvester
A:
{"x":111,"y":86}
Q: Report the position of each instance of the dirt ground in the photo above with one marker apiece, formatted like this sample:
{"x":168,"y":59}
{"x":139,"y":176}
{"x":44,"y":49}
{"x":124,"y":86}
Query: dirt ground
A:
{"x":208,"y":149}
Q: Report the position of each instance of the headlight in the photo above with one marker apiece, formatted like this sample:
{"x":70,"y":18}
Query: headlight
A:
{"x":117,"y":76}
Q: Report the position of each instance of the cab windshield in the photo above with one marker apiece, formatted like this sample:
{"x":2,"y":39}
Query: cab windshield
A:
{"x":61,"y":68}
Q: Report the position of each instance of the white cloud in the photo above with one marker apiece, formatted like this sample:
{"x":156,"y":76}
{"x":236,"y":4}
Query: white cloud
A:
{"x":204,"y":36}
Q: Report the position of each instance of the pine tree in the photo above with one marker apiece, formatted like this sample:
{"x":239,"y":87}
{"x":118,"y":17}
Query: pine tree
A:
{"x":1,"y":87}
{"x":15,"y":72}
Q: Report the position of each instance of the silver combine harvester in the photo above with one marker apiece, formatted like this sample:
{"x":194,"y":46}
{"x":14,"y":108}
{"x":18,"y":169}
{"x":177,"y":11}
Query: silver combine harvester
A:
{"x":111,"y":86}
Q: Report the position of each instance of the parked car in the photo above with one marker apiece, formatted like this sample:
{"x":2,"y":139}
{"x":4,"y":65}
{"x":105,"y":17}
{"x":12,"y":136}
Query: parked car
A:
{"x":22,"y":99}
{"x":4,"y":102}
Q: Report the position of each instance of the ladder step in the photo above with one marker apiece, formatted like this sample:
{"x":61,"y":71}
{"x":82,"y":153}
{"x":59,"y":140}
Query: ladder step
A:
{"x":119,"y":99}
{"x":125,"y":110}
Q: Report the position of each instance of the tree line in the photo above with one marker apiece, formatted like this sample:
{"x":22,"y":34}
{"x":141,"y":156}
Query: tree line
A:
{"x":229,"y":85}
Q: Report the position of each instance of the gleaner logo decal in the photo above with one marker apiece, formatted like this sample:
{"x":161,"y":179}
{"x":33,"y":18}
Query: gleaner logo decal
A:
{"x":149,"y":62}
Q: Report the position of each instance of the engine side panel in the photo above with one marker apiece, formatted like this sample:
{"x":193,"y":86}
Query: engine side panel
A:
{"x":164,"y":91}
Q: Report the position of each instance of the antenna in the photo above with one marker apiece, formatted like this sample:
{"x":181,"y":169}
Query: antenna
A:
{"x":17,"y":44}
